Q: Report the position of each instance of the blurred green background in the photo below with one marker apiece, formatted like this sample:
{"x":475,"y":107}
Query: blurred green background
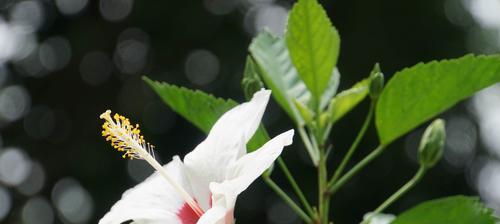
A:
{"x":63,"y":62}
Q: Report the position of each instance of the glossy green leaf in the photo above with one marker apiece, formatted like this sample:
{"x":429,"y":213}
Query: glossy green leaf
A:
{"x":313,"y":44}
{"x":456,"y":210}
{"x":415,"y":95}
{"x":201,"y":109}
{"x":279,"y":74}
{"x":346,"y":100}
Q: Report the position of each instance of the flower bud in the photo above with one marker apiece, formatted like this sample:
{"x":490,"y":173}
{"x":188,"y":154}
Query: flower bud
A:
{"x":251,"y":82}
{"x":251,"y":86}
{"x":376,"y":82}
{"x":432,"y":144}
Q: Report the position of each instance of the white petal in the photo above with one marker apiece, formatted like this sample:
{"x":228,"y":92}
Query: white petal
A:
{"x":243,"y":120}
{"x":214,"y":215}
{"x":225,"y":143}
{"x":247,"y":169}
{"x":252,"y":165}
{"x":153,"y":201}
{"x":379,"y":218}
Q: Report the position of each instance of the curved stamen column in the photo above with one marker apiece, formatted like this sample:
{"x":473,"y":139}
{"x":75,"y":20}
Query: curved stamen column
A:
{"x":126,"y":138}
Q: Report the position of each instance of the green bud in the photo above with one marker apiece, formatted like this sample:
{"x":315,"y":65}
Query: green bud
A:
{"x":376,"y":82}
{"x":251,"y":82}
{"x":250,"y":87}
{"x":432,"y":144}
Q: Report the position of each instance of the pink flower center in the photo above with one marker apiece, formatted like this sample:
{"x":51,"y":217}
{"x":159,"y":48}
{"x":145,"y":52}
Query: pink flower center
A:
{"x":187,"y":215}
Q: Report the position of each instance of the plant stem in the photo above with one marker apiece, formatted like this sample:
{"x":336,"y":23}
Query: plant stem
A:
{"x":354,"y":145}
{"x":313,"y":151}
{"x":323,"y":215}
{"x":295,"y":187}
{"x":326,"y":194}
{"x":287,"y":199}
{"x":326,"y":208}
{"x":404,"y":189}
{"x":333,"y":187}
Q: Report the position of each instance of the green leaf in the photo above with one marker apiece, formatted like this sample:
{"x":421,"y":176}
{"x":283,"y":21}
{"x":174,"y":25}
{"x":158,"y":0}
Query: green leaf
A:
{"x":415,"y":95}
{"x":279,"y":74}
{"x":331,"y":89}
{"x":456,"y":210}
{"x":346,"y":100}
{"x":201,"y":109}
{"x":313,"y":44}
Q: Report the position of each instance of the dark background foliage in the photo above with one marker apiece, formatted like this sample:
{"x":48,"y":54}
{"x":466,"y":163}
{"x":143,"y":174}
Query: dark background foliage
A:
{"x":203,"y":45}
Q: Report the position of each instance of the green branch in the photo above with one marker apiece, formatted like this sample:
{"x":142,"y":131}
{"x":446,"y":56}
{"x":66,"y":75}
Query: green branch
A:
{"x":287,"y":199}
{"x":404,"y":189}
{"x":313,"y":151}
{"x":354,"y":145}
{"x":295,"y":187}
{"x":333,"y":187}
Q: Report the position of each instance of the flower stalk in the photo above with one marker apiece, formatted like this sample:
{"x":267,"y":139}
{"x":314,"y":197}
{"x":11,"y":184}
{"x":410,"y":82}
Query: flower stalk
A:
{"x":354,"y":145}
{"x":284,"y":196}
{"x":335,"y":186}
{"x":295,"y":187}
{"x":398,"y":194}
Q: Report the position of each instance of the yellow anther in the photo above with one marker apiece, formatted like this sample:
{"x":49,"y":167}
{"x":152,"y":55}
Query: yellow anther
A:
{"x":123,"y":136}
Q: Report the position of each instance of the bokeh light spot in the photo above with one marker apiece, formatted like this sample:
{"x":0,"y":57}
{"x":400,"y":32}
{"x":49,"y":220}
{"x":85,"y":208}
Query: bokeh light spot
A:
{"x":14,"y":103}
{"x":28,"y":14}
{"x":486,"y":12}
{"x":15,"y":166}
{"x":55,"y":53}
{"x":31,"y":65}
{"x":15,"y":42}
{"x":34,"y":182}
{"x":37,"y":210}
{"x":5,"y":203}
{"x":73,"y":202}
{"x":272,"y":17}
{"x":201,"y":67}
{"x":461,"y":138}
{"x":131,"y":53}
{"x":486,"y":105}
{"x":115,"y":10}
{"x":71,"y":7}
{"x":488,"y":183}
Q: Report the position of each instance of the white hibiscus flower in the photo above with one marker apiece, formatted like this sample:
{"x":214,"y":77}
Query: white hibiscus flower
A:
{"x":203,"y":188}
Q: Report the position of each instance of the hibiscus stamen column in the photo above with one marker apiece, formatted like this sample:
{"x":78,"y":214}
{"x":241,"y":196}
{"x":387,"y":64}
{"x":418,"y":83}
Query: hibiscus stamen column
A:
{"x":126,"y":138}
